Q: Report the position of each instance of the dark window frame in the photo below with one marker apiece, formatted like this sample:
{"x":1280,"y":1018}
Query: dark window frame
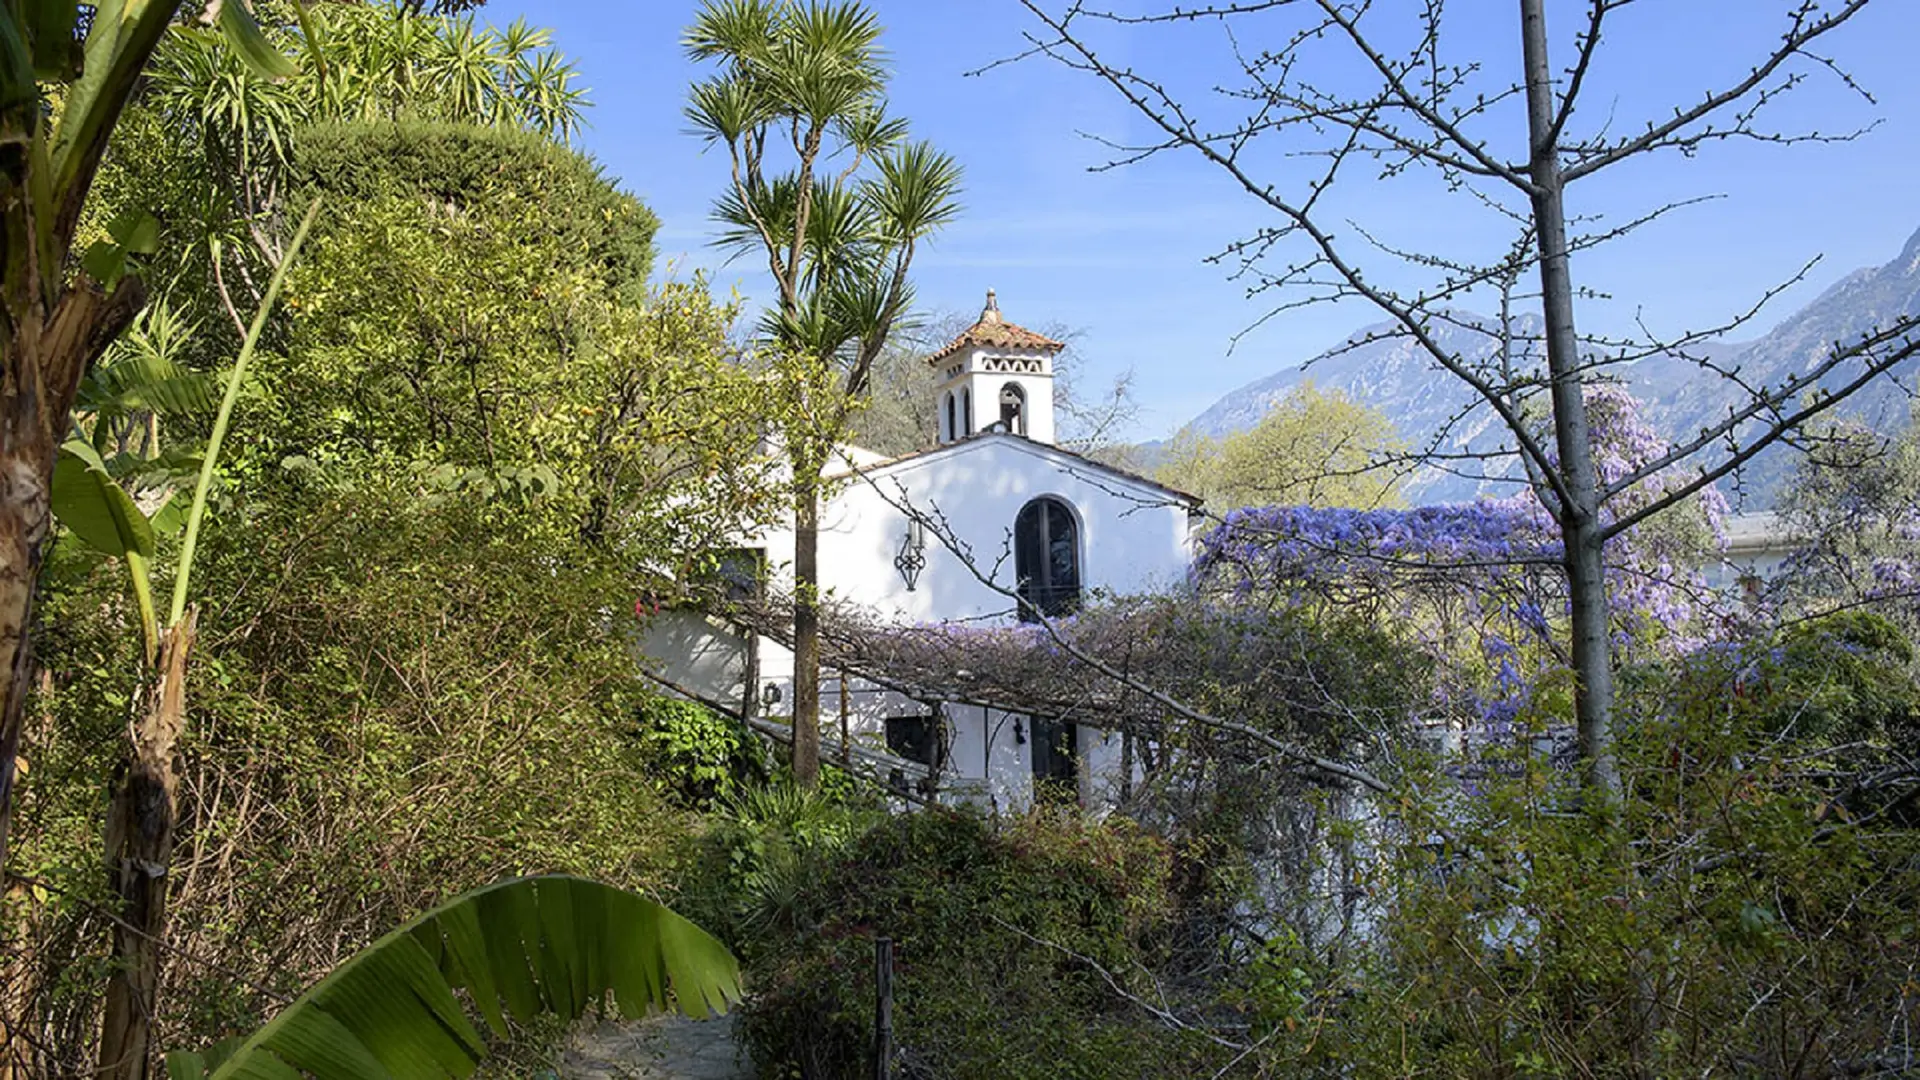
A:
{"x":917,"y":737}
{"x":1054,"y":758}
{"x":742,"y":574}
{"x":1048,"y":584}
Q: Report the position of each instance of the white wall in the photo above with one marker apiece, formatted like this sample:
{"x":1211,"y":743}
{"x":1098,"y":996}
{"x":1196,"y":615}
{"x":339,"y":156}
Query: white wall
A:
{"x":695,"y":651}
{"x":975,"y":377}
{"x":1133,"y":538}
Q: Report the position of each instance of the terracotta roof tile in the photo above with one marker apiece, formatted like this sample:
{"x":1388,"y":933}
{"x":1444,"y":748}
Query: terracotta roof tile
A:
{"x":995,"y":332}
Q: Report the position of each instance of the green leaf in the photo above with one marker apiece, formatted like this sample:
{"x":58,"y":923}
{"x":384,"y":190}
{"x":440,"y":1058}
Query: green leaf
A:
{"x":513,"y":934}
{"x":56,"y":52}
{"x":183,"y":574}
{"x":325,"y":1045}
{"x":137,"y":231}
{"x":393,"y":1009}
{"x":105,"y":262}
{"x":185,"y":1066}
{"x":134,"y":232}
{"x":120,"y":40}
{"x":142,"y":382}
{"x":464,"y":956}
{"x":559,"y":980}
{"x":88,"y":501}
{"x":236,"y":21}
{"x":17,"y":77}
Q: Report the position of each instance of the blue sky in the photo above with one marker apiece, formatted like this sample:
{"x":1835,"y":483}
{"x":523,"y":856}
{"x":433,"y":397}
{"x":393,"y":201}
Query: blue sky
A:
{"x":1120,"y":255}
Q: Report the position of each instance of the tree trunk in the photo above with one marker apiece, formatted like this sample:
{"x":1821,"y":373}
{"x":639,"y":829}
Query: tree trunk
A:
{"x":806,"y":622}
{"x":26,"y":477}
{"x":1579,"y":516}
{"x":46,"y":354}
{"x":140,"y":827}
{"x":23,"y":1034}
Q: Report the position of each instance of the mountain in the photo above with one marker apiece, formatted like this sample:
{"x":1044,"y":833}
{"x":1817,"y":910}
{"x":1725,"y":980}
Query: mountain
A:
{"x":1683,"y":399}
{"x":1376,"y":367}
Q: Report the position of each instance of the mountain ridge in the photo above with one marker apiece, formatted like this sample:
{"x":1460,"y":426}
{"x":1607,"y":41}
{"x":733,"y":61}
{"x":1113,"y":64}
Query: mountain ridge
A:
{"x":1382,"y":369}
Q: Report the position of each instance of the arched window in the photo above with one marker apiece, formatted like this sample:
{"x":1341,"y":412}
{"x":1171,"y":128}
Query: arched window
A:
{"x":1013,"y":408}
{"x":966,"y":411}
{"x":1046,"y":558}
{"x":953,"y":430}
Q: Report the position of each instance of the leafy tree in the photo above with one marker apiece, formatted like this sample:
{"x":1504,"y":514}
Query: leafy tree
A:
{"x":557,"y":411}
{"x":63,"y":325}
{"x":1853,"y":510}
{"x":897,"y":416}
{"x":224,"y":202}
{"x":1312,"y":447}
{"x":826,"y":189}
{"x":230,"y":207}
{"x":479,"y":316}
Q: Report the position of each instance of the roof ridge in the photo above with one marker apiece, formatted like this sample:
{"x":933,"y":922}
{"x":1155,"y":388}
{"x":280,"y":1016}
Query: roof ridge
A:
{"x":1020,"y":441}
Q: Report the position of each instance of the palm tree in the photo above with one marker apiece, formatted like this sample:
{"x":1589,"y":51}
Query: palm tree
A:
{"x":804,"y":84}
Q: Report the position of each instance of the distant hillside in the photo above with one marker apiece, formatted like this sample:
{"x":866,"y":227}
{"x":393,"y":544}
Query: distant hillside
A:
{"x":1396,"y":377}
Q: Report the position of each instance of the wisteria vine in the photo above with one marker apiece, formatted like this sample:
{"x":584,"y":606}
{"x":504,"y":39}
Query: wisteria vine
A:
{"x":1481,"y":585}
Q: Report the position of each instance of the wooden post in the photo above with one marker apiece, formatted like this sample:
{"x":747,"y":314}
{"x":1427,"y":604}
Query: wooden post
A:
{"x":750,"y":677}
{"x":844,"y":763}
{"x":883,"y":1008}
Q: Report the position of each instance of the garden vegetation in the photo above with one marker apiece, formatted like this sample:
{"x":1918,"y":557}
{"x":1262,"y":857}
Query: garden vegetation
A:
{"x":1357,"y":836}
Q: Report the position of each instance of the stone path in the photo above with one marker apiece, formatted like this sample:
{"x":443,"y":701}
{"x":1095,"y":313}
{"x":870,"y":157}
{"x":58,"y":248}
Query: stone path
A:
{"x":669,"y":1047}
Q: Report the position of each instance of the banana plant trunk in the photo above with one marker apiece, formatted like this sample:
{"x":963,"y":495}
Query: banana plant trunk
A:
{"x":140,"y":832}
{"x":48,"y":347}
{"x":25,"y":479}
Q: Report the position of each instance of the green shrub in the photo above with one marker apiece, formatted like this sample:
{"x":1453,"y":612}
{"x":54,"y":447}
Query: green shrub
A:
{"x":758,"y":865}
{"x":400,"y":701}
{"x":550,"y":191}
{"x":1001,"y":937}
{"x":1753,"y":909}
{"x":698,"y":756}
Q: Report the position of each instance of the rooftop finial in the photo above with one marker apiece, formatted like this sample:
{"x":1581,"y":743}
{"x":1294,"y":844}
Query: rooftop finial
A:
{"x":990,"y":313}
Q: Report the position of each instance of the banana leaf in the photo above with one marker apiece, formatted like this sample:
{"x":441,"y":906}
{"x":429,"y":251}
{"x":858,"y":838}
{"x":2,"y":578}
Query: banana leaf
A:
{"x":553,"y":944}
{"x":89,"y":501}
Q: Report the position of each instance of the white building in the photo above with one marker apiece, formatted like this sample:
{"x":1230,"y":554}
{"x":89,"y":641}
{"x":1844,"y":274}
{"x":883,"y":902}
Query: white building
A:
{"x":1020,"y":516}
{"x":1757,"y":546}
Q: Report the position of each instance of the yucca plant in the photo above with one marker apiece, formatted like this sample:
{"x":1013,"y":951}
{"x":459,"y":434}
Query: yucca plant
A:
{"x":364,"y":62}
{"x":828,"y":190}
{"x":557,"y":945}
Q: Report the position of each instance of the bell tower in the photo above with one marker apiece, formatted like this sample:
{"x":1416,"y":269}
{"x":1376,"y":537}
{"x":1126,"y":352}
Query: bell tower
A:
{"x":995,"y":376}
